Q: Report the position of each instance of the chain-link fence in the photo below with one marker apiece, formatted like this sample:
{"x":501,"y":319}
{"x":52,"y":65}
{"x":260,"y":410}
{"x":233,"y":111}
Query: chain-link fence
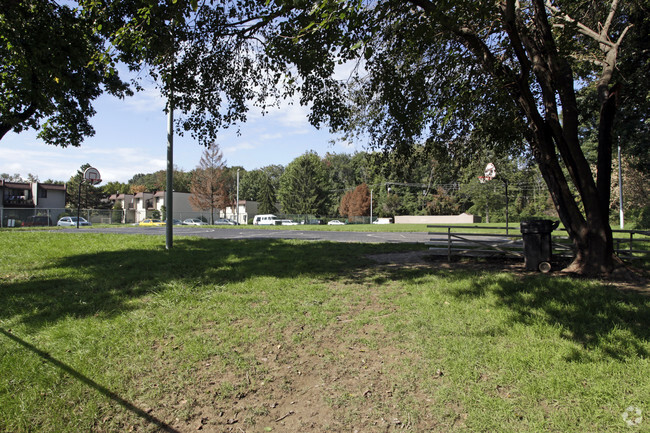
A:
{"x":28,"y":217}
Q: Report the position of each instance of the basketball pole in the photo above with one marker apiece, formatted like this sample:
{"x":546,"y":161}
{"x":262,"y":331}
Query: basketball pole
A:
{"x":79,"y":201}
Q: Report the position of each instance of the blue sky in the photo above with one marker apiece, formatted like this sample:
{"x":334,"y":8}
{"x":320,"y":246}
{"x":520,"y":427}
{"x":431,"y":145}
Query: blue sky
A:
{"x":131,"y":138}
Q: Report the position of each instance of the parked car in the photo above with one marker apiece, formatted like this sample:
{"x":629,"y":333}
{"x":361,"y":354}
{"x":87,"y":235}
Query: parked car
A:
{"x":151,"y":223}
{"x":224,"y":222}
{"x":194,"y":222}
{"x":71,"y":221}
{"x":177,"y":222}
{"x":37,"y":221}
{"x":335,"y":223}
{"x":265,"y":220}
{"x":314,"y":222}
{"x":288,"y":223}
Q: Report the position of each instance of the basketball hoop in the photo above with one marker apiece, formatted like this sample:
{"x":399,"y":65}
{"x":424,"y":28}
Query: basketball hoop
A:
{"x":484,"y":179}
{"x":490,"y":171}
{"x":92,"y":176}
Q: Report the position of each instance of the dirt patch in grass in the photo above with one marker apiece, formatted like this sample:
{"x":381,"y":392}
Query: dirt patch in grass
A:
{"x":345,"y":376}
{"x":330,"y":381}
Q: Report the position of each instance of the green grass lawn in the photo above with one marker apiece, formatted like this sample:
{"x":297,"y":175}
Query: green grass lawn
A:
{"x":112,"y":333}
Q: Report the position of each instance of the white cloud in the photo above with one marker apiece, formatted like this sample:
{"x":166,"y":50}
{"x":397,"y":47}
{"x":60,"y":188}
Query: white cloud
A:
{"x":348,"y":69}
{"x":242,"y":145}
{"x":271,"y":136}
{"x":146,"y":101}
{"x":23,"y":154}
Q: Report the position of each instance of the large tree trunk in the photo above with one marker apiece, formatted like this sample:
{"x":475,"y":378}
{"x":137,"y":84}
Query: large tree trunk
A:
{"x":540,"y":80}
{"x":555,"y":129}
{"x":591,"y":236}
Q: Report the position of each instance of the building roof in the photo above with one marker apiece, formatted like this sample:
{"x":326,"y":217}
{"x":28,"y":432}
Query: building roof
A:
{"x":27,"y":185}
{"x":52,"y":186}
{"x":15,"y":185}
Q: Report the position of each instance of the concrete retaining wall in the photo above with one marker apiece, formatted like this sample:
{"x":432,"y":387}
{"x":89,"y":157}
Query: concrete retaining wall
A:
{"x":437,"y":219}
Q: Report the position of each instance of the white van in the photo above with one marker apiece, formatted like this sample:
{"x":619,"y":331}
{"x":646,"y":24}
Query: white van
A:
{"x":265,"y":220}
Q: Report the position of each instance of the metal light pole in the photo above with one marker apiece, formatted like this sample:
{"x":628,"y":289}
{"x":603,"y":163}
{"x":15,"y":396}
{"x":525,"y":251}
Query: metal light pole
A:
{"x":620,"y":185}
{"x":169,"y":192}
{"x":237,"y":205}
{"x":79,"y":202}
{"x":371,"y":206}
{"x":506,"y":184}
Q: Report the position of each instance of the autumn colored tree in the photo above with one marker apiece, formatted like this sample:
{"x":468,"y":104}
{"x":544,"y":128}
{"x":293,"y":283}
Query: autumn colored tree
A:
{"x":356,"y":202}
{"x":208,"y":187}
{"x":442,"y":203}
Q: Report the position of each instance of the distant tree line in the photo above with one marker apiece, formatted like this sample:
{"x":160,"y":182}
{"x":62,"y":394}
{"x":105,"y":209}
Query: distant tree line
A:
{"x":339,"y":184}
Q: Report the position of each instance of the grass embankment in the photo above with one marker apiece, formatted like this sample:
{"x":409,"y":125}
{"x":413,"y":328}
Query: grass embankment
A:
{"x":113,"y":333}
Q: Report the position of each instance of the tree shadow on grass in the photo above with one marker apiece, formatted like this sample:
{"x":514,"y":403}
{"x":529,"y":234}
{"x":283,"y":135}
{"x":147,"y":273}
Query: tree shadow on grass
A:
{"x":103,"y":283}
{"x":597,"y":317}
{"x":46,"y":357}
{"x":602,"y":320}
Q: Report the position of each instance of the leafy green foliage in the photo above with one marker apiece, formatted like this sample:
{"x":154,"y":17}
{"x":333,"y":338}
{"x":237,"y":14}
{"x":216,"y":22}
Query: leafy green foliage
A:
{"x":267,"y":197}
{"x":253,"y":182}
{"x":157,"y":181}
{"x":52,"y":67}
{"x":495,"y":76}
{"x":303,"y":186}
{"x":632,"y":125}
{"x":115,"y":188}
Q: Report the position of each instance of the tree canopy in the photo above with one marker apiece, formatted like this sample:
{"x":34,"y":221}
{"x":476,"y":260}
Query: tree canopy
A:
{"x":52,"y":67}
{"x":303,"y":186}
{"x":457,"y":74}
{"x":464,"y":76}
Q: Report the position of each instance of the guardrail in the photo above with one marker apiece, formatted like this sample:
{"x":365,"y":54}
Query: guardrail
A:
{"x":632,"y":251}
{"x":475,"y":244}
{"x":469,"y":244}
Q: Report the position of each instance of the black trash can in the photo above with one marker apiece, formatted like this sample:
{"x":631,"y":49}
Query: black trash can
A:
{"x":536,"y":235}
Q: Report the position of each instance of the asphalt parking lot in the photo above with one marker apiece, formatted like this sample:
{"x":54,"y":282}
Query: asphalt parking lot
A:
{"x":246,"y":233}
